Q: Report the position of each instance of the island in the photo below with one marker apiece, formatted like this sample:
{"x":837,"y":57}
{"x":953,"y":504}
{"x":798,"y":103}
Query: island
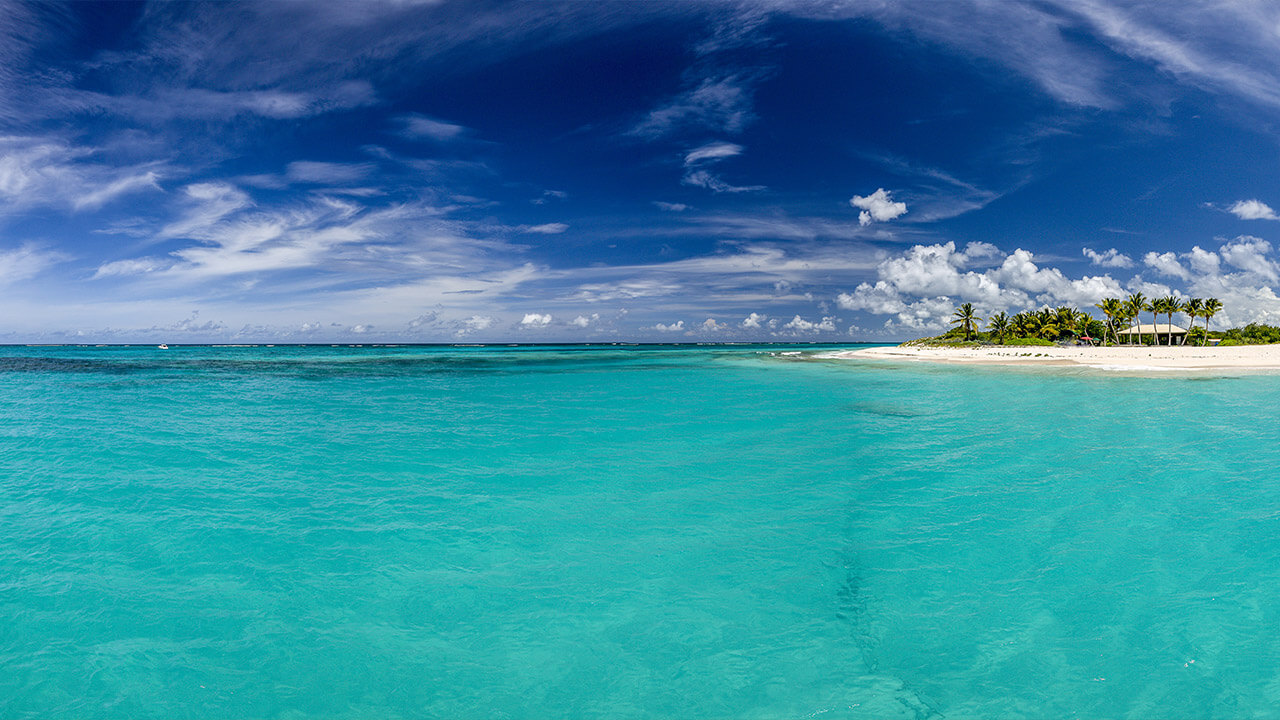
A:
{"x":1066,"y":336}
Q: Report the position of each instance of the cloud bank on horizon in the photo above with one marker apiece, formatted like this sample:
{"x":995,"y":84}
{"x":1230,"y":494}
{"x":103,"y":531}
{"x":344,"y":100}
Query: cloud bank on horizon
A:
{"x":565,"y":171}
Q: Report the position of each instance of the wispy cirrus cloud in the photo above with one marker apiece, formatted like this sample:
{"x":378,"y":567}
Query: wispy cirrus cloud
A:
{"x":421,"y":127}
{"x":326,"y":173}
{"x":697,"y":173}
{"x":46,"y":171}
{"x":721,"y":104}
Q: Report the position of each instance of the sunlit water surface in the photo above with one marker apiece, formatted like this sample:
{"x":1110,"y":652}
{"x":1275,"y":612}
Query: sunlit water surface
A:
{"x":710,"y":532}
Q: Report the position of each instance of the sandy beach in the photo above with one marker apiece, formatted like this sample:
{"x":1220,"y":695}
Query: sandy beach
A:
{"x":1140,"y":358}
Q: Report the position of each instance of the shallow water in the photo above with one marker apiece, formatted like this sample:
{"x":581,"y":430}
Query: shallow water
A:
{"x":629,"y":532}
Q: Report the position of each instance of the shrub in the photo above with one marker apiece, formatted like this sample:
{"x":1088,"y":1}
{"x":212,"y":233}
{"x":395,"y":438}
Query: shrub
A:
{"x":1029,"y":341}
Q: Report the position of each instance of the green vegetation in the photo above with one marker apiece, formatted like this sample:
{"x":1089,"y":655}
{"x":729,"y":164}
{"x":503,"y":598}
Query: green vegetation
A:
{"x":1048,"y":326}
{"x":1017,"y":342}
{"x":967,"y":319}
{"x":1251,"y":334}
{"x":955,"y":337}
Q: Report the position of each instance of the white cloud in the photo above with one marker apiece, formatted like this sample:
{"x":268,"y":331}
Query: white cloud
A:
{"x":423,"y":127}
{"x":919,"y":288}
{"x":209,"y":203}
{"x":712,"y":152}
{"x":722,"y":104}
{"x":1204,"y":262}
{"x":100,"y":196}
{"x":547,"y":228}
{"x":38,"y":172}
{"x":127,"y":268}
{"x":475,"y":323}
{"x":1252,"y":210}
{"x":673,"y":327}
{"x":26,"y":262}
{"x":705,"y":179}
{"x":1108,"y":258}
{"x":549,"y":195}
{"x":535,"y":320}
{"x":584,"y":321}
{"x":1166,"y":264}
{"x":881,"y":298}
{"x":670,"y":207}
{"x":424,"y":320}
{"x":877,"y":207}
{"x":710,"y":325}
{"x":324,"y":173}
{"x":753,"y":321}
{"x":922,"y":285}
{"x":1250,"y":255}
{"x":799,"y":324}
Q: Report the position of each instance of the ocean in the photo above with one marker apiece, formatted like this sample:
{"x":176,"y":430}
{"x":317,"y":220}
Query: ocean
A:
{"x":630,"y":532}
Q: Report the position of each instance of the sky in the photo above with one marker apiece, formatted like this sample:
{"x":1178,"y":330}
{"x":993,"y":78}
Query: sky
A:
{"x":626,"y":172}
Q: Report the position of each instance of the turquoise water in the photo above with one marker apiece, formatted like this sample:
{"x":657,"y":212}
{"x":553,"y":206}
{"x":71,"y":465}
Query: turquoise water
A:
{"x":706,"y":532}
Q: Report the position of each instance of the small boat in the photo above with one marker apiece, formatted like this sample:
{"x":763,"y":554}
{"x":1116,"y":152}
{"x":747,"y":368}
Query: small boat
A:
{"x":163,"y":346}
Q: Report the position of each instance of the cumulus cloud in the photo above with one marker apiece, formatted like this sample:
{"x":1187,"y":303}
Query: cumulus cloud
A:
{"x":1166,"y":264}
{"x":877,"y":207}
{"x":1252,"y":210}
{"x":710,"y":325}
{"x":673,"y":327}
{"x":584,"y":321}
{"x":473,"y":324}
{"x":800,"y":325}
{"x":753,"y":321}
{"x":1108,"y":258}
{"x":1250,"y":254}
{"x":920,"y":287}
{"x":535,"y":320}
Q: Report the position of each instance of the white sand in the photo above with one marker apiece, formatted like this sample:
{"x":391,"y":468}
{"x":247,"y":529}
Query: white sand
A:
{"x":1240,"y":357}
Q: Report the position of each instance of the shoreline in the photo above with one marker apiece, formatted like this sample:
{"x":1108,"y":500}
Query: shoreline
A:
{"x":1138,"y":358}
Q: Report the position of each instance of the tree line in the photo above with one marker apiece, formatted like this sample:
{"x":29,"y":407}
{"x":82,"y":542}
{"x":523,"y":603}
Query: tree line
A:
{"x":1053,"y":324}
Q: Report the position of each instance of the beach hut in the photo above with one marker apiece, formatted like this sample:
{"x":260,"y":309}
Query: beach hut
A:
{"x":1165,"y":332}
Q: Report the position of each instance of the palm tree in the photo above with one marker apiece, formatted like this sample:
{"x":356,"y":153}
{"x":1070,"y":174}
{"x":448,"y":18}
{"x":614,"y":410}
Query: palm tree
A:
{"x":1049,"y":329}
{"x":1082,"y":322}
{"x":1192,"y":308}
{"x":1112,"y":309}
{"x":1155,"y":306}
{"x":999,"y":326}
{"x":1065,"y":318}
{"x":1134,"y":304}
{"x":966,"y":318}
{"x":1026,"y":324}
{"x":1171,"y":306}
{"x":1210,"y":308}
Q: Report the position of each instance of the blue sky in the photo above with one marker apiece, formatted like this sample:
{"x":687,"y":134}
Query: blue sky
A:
{"x":619,"y":171}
